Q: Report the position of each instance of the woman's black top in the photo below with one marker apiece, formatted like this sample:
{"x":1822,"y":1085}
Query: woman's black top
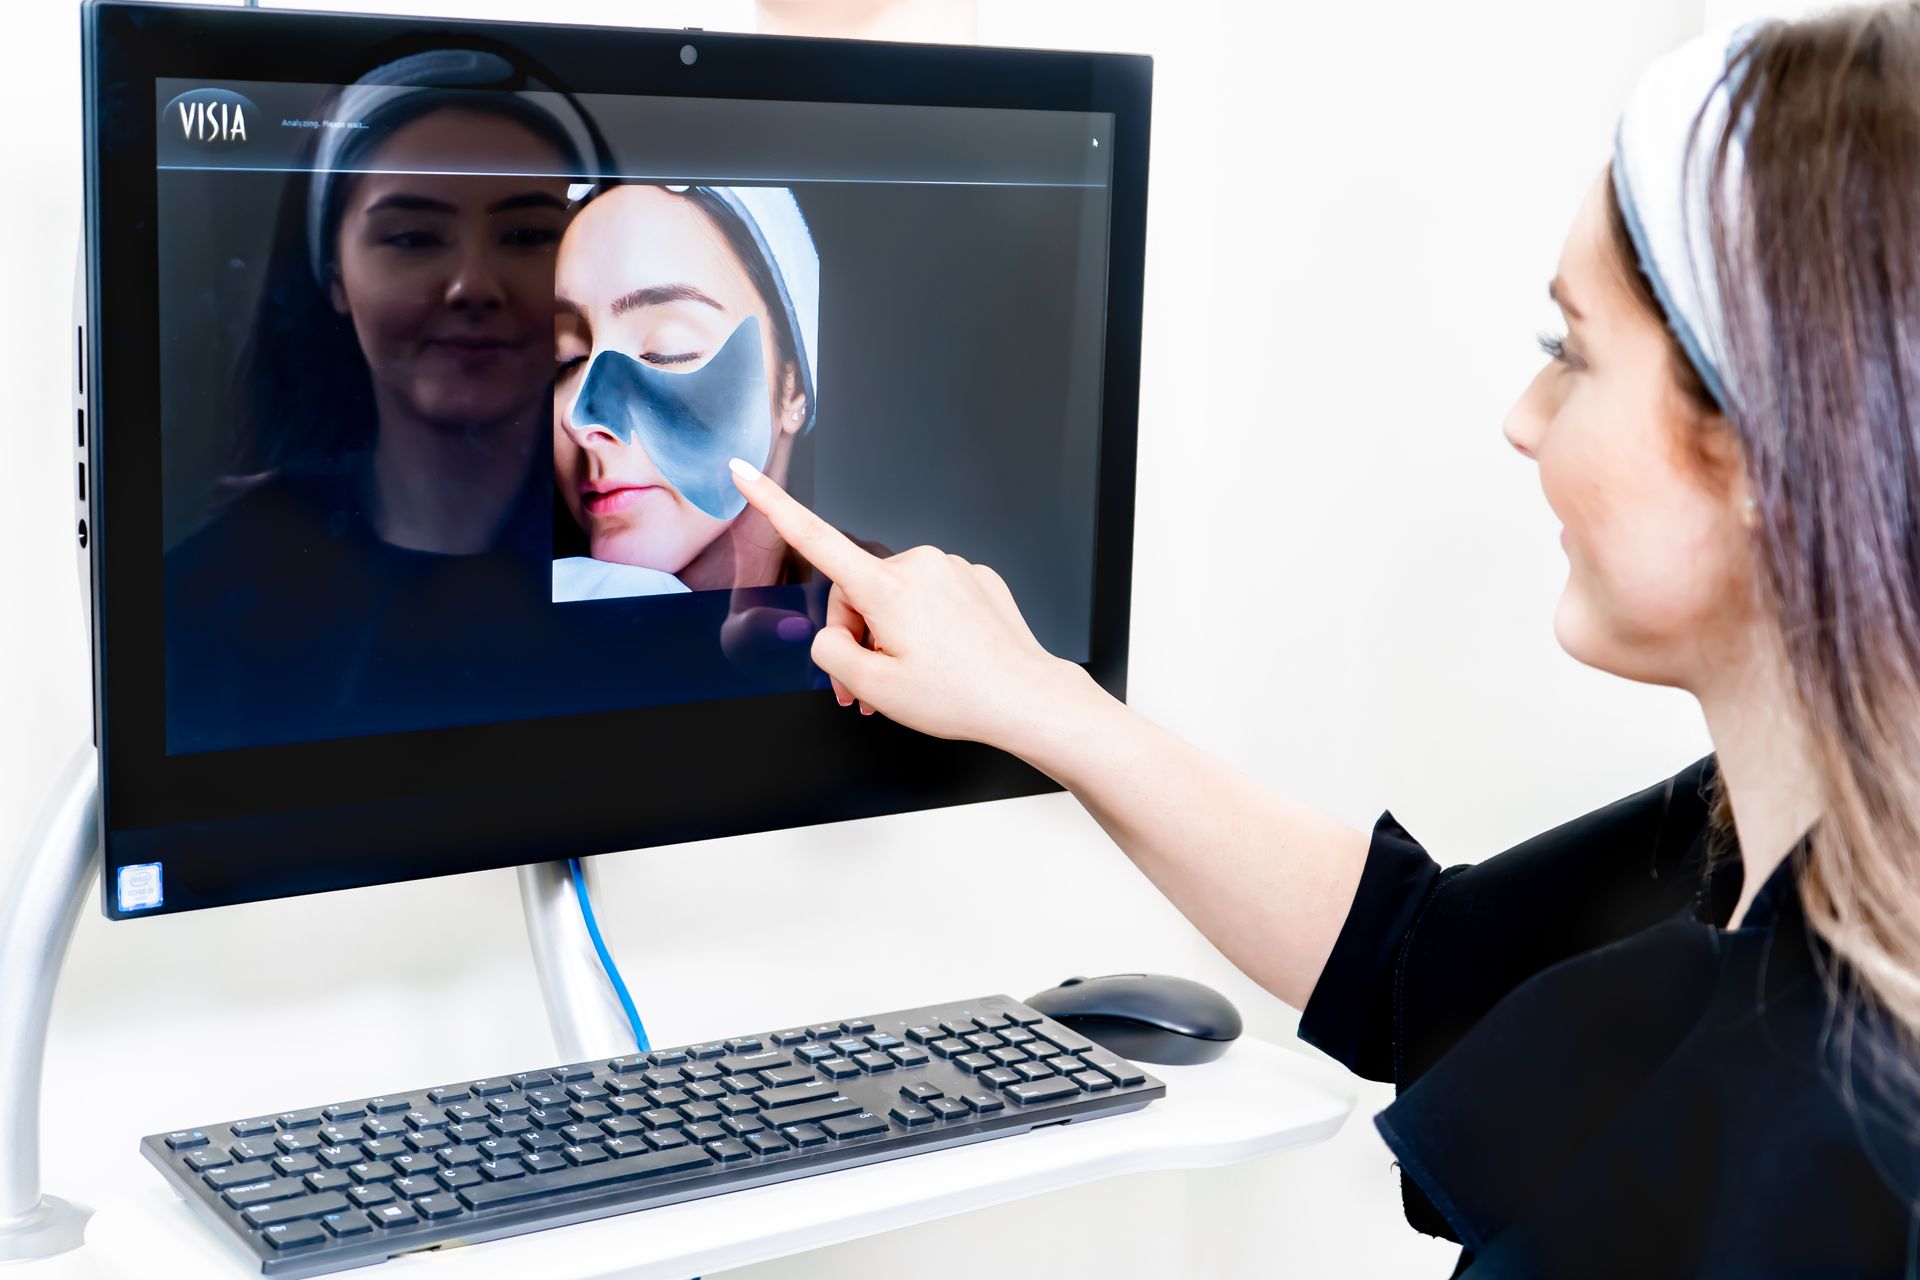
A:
{"x":1595,"y":1078}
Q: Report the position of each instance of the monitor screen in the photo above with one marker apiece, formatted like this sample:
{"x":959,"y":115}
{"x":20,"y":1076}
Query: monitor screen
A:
{"x":450,"y":347}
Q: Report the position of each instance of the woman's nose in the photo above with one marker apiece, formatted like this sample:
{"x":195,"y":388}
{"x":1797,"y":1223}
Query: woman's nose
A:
{"x":475,"y":283}
{"x":1523,"y":422}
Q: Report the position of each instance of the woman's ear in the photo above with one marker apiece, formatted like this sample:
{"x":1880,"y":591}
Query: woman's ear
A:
{"x":793,"y":402}
{"x":336,"y":291}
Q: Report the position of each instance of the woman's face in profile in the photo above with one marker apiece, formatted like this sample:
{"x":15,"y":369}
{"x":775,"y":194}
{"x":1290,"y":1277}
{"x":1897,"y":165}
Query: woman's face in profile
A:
{"x":1659,"y":574}
{"x":644,"y":271}
{"x":449,"y":277}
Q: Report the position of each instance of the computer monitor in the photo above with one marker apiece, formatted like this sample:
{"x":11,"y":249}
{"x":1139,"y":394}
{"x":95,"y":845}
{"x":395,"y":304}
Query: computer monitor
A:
{"x":413,"y":352}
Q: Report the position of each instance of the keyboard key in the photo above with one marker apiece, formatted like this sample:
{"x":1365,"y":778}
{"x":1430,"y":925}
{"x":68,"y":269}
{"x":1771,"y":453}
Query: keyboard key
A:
{"x":1124,"y":1074}
{"x":991,"y":1021}
{"x":855,"y":1026}
{"x":263,"y":1192}
{"x":294,"y":1166}
{"x":1032,"y":1091}
{"x":779,"y":1077}
{"x":1033,"y":1070}
{"x":345,"y":1226}
{"x":620,"y":1126}
{"x":839,"y":1068}
{"x":805,"y":1135}
{"x":534,"y":1079}
{"x":448,"y":1093}
{"x":293,"y":1142}
{"x":766,"y":1142}
{"x":808,"y":1112}
{"x":1043,"y":1048}
{"x":791,"y":1036}
{"x":740,"y":1126}
{"x":863,"y":1125}
{"x":507,"y":1126}
{"x":344,"y":1111}
{"x":621,"y":1148}
{"x":667,"y":1057}
{"x":824,"y":1030}
{"x":815,"y":1053}
{"x":662,"y":1078}
{"x":628,"y":1104}
{"x":850,"y":1045}
{"x":248,"y":1128}
{"x":490,"y":1088}
{"x":924,"y":1035}
{"x":543,"y":1161}
{"x":737,"y":1106}
{"x":881,"y":1041}
{"x":874,"y":1063}
{"x":374,"y":1193}
{"x":735,"y":1064}
{"x":984,"y":1040}
{"x":426,"y":1121}
{"x":384,"y":1148}
{"x":909,"y":1057}
{"x":950,"y":1048}
{"x":431,"y":1140}
{"x":1068,"y":1040}
{"x":1092,"y":1081}
{"x":389,"y":1105}
{"x":518,"y":1106}
{"x":1008,"y":1055}
{"x":382,"y":1127}
{"x":699,"y":1111}
{"x":728,"y":1150}
{"x":1017,"y":1035}
{"x":666,"y":1097}
{"x":919,"y":1091}
{"x":396,"y":1215}
{"x":185,"y":1139}
{"x":745,"y":1044}
{"x":236,"y":1175}
{"x":973,"y":1062}
{"x":704,"y":1132}
{"x":948,"y":1108}
{"x":208,"y":1158}
{"x":436,"y":1207}
{"x":309,"y":1119}
{"x":414,"y":1163}
{"x":743,"y":1084}
{"x":706,"y":1050}
{"x":292,"y":1235}
{"x":501,"y":1170}
{"x":455,"y":1157}
{"x":983,"y":1103}
{"x":454,"y":1179}
{"x":414,"y":1188}
{"x":1000,"y":1077}
{"x":372,"y":1171}
{"x":584,"y":1153}
{"x":1023,"y":1017}
{"x":567,"y":1075}
{"x":789,"y":1095}
{"x":709,"y":1090}
{"x":700,"y":1071}
{"x":253,"y":1149}
{"x":610,"y":1174}
{"x":910,"y":1114}
{"x":475,"y":1132}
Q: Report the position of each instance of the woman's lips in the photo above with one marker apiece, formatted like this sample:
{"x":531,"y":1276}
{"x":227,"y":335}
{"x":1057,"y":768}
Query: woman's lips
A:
{"x":475,"y":351}
{"x":604,"y":502}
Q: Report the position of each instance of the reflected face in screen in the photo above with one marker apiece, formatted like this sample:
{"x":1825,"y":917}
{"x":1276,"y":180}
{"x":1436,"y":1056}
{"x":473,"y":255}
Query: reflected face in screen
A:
{"x":644,"y":271}
{"x":448,"y":278}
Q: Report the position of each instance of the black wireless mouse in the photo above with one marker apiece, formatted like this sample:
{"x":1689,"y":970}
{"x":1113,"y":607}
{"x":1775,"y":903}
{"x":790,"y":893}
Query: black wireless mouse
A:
{"x":1147,"y":1017}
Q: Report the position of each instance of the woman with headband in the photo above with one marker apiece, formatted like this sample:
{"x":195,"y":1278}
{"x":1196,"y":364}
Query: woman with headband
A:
{"x":387,"y":533}
{"x":1674,"y":1037}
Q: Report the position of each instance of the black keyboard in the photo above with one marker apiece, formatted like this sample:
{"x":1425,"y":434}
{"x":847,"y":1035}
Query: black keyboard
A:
{"x":351,"y":1183}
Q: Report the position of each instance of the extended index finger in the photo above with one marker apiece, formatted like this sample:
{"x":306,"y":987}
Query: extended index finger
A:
{"x":825,"y":547}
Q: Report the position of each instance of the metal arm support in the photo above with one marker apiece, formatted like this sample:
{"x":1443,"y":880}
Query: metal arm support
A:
{"x":56,"y":872}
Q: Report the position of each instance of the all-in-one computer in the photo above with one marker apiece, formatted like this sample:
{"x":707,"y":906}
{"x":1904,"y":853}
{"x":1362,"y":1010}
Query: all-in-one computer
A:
{"x":412,"y":356}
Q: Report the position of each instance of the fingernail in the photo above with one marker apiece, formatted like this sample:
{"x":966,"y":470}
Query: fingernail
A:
{"x":744,"y":469}
{"x":865,"y":710}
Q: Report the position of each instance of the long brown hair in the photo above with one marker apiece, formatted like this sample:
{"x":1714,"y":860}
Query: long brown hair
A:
{"x":1817,"y":259}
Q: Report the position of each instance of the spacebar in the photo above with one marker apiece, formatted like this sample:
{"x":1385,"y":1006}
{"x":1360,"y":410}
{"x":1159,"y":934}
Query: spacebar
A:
{"x":494,"y":1195}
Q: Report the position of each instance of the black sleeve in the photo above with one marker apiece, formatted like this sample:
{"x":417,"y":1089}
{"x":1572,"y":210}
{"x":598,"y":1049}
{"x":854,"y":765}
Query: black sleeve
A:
{"x":1425,"y":952}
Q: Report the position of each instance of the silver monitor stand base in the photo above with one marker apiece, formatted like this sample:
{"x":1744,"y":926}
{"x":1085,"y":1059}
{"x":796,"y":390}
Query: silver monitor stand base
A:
{"x":56,"y":874}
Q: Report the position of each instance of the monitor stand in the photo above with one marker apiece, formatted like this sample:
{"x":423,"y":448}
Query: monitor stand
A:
{"x":55,"y":875}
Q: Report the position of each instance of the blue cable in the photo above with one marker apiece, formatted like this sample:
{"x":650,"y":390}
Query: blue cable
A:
{"x":606,"y":958}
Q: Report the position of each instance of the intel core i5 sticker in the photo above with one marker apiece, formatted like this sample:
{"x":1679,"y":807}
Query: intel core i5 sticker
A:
{"x":139,"y":886}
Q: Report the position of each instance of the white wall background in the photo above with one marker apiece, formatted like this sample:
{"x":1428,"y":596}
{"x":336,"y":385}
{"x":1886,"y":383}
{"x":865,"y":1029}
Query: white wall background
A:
{"x":1344,"y":584}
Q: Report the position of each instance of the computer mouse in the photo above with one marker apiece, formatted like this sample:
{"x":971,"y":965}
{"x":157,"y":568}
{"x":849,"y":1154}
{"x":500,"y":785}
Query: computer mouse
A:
{"x":1148,"y":1017}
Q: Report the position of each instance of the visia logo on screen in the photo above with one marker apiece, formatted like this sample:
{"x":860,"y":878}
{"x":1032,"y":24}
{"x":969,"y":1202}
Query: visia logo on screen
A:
{"x":210,"y":119}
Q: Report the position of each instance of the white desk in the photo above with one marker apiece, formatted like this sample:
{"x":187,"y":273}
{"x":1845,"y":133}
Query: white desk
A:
{"x":1258,"y":1099}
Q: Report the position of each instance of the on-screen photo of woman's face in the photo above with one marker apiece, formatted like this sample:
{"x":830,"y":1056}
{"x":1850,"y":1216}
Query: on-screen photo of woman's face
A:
{"x":644,"y":270}
{"x":448,"y":277}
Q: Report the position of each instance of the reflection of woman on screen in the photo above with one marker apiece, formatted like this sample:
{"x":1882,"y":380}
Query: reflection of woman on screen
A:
{"x":655,"y":284}
{"x":391,"y":492}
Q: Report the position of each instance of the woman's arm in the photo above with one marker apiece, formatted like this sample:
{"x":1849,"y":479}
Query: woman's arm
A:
{"x":938,"y":644}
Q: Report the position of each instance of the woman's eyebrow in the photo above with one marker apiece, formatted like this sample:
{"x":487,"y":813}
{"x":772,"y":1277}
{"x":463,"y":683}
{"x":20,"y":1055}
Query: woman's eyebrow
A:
{"x":404,"y":200}
{"x":528,"y":200}
{"x":655,"y":294}
{"x":1557,"y":290}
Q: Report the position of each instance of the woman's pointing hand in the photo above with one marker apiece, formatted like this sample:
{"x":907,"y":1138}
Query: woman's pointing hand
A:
{"x":924,"y":638}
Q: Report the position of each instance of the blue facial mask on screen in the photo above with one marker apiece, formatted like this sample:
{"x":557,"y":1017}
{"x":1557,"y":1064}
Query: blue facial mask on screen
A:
{"x":690,"y":424}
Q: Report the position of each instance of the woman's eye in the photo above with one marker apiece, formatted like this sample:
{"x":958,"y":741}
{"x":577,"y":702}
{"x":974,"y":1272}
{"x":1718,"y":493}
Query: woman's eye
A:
{"x":684,"y":357}
{"x":567,"y":362}
{"x":412,"y":240}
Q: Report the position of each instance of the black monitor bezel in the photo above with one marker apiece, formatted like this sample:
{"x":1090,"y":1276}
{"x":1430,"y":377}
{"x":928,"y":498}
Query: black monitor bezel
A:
{"x":277,"y":821}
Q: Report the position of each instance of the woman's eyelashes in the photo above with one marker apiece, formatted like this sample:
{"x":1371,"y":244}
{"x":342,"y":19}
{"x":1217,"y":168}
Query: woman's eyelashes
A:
{"x":567,"y":363}
{"x":1555,"y":345}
